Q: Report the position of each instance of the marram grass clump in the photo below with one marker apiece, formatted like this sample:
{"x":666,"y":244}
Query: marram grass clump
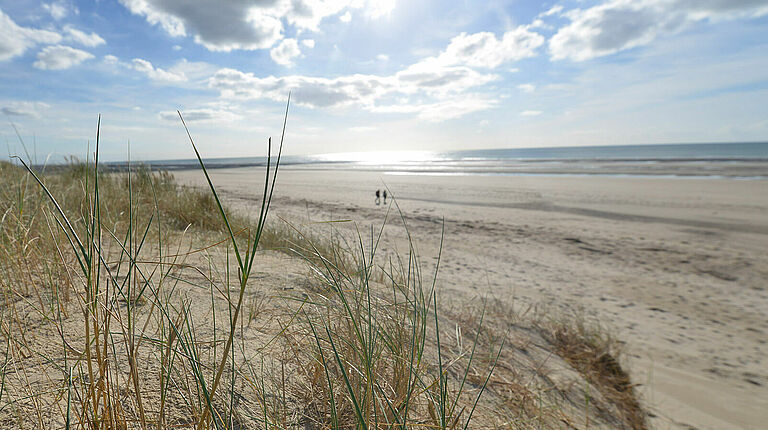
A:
{"x":115,"y":313}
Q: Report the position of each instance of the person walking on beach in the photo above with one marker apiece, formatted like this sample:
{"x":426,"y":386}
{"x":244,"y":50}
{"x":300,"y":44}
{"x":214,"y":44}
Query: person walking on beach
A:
{"x":385,"y":196}
{"x":378,"y":198}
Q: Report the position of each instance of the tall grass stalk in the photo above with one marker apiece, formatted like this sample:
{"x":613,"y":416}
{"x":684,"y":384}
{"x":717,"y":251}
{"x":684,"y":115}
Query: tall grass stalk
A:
{"x":244,"y":262}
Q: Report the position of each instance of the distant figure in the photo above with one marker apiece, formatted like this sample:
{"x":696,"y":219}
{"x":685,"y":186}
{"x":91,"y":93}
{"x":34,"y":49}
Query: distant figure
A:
{"x":378,"y":197}
{"x":385,"y":196}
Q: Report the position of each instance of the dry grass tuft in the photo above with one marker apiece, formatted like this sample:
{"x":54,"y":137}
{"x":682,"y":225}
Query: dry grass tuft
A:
{"x":593,"y":352}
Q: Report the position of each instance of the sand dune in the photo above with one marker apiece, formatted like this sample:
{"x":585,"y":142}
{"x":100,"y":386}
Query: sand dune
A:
{"x":677,"y":267}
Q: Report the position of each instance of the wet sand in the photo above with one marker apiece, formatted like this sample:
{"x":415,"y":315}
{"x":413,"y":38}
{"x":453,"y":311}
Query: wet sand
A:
{"x":677,"y":268}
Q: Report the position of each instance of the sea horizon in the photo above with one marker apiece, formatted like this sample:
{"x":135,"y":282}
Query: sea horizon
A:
{"x":739,"y":160}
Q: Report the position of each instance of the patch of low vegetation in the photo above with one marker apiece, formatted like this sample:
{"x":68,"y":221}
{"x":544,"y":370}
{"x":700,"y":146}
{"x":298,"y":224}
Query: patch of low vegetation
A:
{"x":594,"y":352}
{"x":129,"y":301}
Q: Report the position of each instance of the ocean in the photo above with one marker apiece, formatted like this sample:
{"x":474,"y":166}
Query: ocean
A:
{"x":731,"y":160}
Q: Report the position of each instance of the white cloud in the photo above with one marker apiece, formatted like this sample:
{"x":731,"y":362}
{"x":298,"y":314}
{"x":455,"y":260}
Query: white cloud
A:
{"x":358,"y":89}
{"x":193,"y":70}
{"x":439,"y":85}
{"x":554,"y":10}
{"x":15,"y":40}
{"x":59,"y":10}
{"x":180,"y":72}
{"x":527,"y":88}
{"x":307,"y":14}
{"x":347,"y":17}
{"x":433,"y":78}
{"x":176,"y":48}
{"x":530,"y":113}
{"x":442,"y":110}
{"x":379,"y":8}
{"x":59,"y":57}
{"x":538,"y":23}
{"x":201,"y":115}
{"x":82,"y":38}
{"x":617,"y":25}
{"x":246,"y":25}
{"x":307,"y":91}
{"x":156,"y":74}
{"x":23,"y":108}
{"x":309,"y":43}
{"x":485,"y":50}
{"x":446,"y":85}
{"x":285,"y":52}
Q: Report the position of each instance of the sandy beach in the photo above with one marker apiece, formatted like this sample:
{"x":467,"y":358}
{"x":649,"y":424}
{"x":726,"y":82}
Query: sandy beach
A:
{"x":675,"y":267}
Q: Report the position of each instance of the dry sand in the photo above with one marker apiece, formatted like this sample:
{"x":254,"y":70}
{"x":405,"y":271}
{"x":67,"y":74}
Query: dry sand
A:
{"x":678,"y":268}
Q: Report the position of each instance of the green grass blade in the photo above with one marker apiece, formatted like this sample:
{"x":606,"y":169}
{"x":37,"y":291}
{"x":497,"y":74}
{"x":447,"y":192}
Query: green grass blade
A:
{"x":213,"y":191}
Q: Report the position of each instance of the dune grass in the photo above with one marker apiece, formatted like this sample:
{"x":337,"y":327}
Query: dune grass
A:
{"x":124,"y":300}
{"x":593,"y":351}
{"x":130,"y":301}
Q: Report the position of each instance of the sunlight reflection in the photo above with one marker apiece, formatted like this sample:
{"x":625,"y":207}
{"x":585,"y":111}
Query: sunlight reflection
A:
{"x":379,"y":157}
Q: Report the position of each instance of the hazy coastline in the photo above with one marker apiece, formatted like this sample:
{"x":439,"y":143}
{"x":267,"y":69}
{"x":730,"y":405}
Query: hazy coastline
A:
{"x":731,"y":160}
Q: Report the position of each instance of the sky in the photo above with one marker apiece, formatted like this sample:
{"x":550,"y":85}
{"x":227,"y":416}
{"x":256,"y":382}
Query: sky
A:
{"x":373,"y":75}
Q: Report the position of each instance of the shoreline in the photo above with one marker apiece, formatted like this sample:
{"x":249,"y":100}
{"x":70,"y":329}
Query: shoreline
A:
{"x":728,"y":170}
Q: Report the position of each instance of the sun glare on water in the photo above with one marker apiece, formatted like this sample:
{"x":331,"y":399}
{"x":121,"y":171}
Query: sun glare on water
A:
{"x":380,"y":157}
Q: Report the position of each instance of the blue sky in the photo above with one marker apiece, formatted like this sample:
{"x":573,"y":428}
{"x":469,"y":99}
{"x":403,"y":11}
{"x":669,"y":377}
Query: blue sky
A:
{"x":380,"y":75}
